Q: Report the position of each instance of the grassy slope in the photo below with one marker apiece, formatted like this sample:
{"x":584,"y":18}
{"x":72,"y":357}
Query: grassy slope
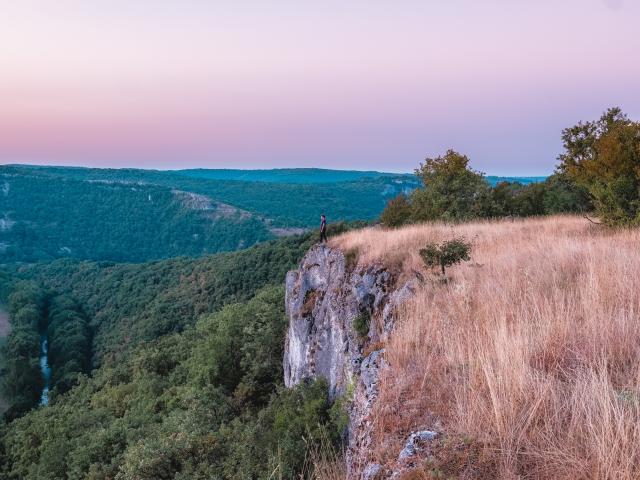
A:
{"x":527,"y":359}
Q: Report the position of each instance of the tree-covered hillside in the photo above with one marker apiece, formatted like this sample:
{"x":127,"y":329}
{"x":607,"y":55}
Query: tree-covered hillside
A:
{"x":287,"y":175}
{"x":130,"y":303}
{"x":42,"y":218}
{"x":187,"y":377}
{"x":280,"y":204}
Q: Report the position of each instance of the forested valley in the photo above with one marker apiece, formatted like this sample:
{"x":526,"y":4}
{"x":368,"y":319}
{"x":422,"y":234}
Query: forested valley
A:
{"x":175,"y":365}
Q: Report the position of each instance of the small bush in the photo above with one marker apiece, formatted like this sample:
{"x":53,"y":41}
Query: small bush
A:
{"x":361,"y":324}
{"x":446,"y":254}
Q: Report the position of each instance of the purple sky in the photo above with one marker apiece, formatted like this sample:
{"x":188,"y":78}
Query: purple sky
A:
{"x":354,"y":85}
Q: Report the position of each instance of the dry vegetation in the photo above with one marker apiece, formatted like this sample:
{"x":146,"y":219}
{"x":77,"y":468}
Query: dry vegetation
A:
{"x":529,"y":356}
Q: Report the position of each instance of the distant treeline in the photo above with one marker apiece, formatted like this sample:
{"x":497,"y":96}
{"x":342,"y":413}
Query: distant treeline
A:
{"x":345,"y":198}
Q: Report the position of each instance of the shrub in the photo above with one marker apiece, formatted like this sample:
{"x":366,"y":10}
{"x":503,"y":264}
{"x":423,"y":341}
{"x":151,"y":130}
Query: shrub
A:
{"x":397,"y":212}
{"x":351,"y":258}
{"x":361,"y":324}
{"x":446,"y":254}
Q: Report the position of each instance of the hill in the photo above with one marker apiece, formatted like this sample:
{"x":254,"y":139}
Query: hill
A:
{"x":139,"y":215}
{"x":287,"y":175}
{"x":44,"y":218}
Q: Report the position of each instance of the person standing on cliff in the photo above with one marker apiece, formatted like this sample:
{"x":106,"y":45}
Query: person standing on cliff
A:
{"x":323,"y":229}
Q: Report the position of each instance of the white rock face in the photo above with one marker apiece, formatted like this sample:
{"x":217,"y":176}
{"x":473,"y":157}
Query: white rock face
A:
{"x":323,"y":298}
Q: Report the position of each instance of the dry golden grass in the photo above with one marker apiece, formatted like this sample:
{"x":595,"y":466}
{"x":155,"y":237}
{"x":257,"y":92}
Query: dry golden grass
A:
{"x":531,"y":350}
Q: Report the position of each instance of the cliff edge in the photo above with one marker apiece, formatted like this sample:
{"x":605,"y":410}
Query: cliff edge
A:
{"x":340,"y":314}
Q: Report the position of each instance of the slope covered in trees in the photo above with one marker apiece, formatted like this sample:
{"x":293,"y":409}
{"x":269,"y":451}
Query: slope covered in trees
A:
{"x":131,"y":303}
{"x":207,"y":403}
{"x":281,"y":204}
{"x":188,"y":370}
{"x":43,"y":218}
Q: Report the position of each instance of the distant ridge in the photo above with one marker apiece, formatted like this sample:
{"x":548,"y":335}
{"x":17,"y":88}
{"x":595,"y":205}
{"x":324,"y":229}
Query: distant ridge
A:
{"x":494,"y":179}
{"x":286,"y":175}
{"x":299,"y":176}
{"x":318,"y":175}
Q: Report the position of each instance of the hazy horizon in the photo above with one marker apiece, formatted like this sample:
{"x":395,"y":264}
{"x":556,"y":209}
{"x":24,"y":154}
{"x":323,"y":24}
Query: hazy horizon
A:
{"x":362,"y":86}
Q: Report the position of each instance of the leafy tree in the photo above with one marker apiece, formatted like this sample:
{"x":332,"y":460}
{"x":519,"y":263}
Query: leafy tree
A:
{"x":446,"y":254}
{"x":562,"y":195}
{"x":451,"y":189}
{"x":397,"y":212}
{"x":603,"y":156}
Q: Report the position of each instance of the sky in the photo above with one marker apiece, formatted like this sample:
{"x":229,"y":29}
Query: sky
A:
{"x":357,"y":84}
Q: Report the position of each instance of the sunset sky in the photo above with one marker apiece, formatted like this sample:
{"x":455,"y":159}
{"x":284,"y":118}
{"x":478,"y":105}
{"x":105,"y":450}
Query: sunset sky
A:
{"x":336,"y":84}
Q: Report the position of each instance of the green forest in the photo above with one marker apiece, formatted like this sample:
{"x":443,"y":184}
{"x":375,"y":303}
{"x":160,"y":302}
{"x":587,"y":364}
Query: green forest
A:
{"x":169,"y":369}
{"x":280,"y":203}
{"x":45,"y":218}
{"x":130,"y":215}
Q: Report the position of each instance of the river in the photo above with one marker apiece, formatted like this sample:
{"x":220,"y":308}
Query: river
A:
{"x":45,"y":368}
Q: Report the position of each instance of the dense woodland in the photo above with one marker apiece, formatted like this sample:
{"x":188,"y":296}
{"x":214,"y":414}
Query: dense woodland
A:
{"x":278,"y":203}
{"x":186,"y":379}
{"x":46,"y":218}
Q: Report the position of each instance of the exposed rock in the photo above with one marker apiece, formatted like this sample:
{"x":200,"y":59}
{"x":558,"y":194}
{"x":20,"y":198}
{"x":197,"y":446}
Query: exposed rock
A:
{"x":323,"y":297}
{"x":414,"y":441}
{"x":371,"y":471}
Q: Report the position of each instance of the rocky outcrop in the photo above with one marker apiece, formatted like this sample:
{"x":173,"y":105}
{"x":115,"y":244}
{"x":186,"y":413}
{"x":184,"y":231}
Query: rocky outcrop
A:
{"x":337,"y":313}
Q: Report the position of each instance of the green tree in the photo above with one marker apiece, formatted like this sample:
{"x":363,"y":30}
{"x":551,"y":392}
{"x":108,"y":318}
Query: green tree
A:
{"x":563,"y":195}
{"x":451,"y":190}
{"x":446,"y":254}
{"x":604,"y":157}
{"x":397,"y":212}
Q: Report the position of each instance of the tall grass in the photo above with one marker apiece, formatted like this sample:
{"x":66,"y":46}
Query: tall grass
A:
{"x":531,"y":350}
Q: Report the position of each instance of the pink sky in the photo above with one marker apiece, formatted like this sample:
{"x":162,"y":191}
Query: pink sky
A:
{"x":359,"y":84}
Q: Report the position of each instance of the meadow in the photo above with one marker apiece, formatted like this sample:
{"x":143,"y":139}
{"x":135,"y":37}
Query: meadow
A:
{"x":526,"y":358}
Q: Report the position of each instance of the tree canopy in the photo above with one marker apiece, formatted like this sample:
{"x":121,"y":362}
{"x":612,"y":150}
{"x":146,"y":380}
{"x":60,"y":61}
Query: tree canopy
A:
{"x":603,"y":156}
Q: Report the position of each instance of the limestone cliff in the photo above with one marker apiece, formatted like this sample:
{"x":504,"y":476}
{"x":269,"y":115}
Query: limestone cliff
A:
{"x":338,"y":312}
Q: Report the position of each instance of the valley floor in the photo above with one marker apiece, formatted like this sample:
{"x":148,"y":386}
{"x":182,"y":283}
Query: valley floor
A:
{"x":526,"y":360}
